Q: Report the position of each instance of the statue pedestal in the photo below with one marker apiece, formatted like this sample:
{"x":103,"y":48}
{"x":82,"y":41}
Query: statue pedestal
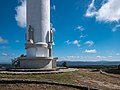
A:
{"x":37,"y":62}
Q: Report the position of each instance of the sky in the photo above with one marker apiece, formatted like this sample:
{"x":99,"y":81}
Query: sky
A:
{"x":84,"y":30}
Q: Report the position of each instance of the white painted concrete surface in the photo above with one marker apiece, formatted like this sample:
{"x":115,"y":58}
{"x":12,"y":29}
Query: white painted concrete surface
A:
{"x":37,"y":52}
{"x":38,"y":16}
{"x":46,"y":64}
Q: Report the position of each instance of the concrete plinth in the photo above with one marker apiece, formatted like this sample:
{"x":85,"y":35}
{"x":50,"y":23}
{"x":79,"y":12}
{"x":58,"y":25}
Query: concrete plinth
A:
{"x":36,"y":62}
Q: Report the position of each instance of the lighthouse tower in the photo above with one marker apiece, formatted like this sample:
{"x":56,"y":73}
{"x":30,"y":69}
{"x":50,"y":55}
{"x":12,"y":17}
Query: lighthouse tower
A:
{"x":38,"y":36}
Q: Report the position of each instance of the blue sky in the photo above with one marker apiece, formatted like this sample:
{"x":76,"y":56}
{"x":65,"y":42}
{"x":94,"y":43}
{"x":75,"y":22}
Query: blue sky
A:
{"x":84,"y":30}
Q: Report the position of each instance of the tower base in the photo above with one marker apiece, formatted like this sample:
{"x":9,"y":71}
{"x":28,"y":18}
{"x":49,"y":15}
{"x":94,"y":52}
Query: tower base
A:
{"x":37,"y":62}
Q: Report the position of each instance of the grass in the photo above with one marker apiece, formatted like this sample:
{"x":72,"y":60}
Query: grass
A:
{"x":62,"y":78}
{"x":34,"y":87}
{"x":67,"y":78}
{"x":80,"y":77}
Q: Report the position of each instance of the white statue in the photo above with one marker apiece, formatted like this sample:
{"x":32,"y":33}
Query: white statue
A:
{"x":31,"y":34}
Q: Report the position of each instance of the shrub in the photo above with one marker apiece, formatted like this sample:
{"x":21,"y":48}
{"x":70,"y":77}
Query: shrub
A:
{"x":119,"y":66}
{"x":64,"y":64}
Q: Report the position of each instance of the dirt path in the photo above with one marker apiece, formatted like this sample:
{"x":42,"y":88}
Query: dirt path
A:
{"x":99,"y":80}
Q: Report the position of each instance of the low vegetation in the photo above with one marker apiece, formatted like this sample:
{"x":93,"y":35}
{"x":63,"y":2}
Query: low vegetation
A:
{"x":86,"y":76}
{"x":82,"y":77}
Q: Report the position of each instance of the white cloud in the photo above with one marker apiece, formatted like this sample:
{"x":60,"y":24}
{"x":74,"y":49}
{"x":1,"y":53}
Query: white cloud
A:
{"x":75,"y":42}
{"x":117,"y":27}
{"x":17,"y":41}
{"x":80,"y":28}
{"x":53,"y":29}
{"x":69,"y":58}
{"x":118,"y":54}
{"x":3,"y":41}
{"x":85,"y":58}
{"x":53,"y":7}
{"x":21,"y":14}
{"x":103,"y":57}
{"x":108,"y":12}
{"x":91,"y":11}
{"x":4,"y":47}
{"x":89,"y":43}
{"x":90,"y":51}
{"x":83,"y":36}
{"x":68,"y":42}
{"x":4,"y":54}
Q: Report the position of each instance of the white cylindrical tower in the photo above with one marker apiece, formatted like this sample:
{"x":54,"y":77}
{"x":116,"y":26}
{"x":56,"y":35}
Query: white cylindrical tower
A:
{"x":38,"y":28}
{"x":39,"y":37}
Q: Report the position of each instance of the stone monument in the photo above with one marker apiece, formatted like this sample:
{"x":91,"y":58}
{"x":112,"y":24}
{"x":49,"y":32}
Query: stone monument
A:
{"x":39,"y":36}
